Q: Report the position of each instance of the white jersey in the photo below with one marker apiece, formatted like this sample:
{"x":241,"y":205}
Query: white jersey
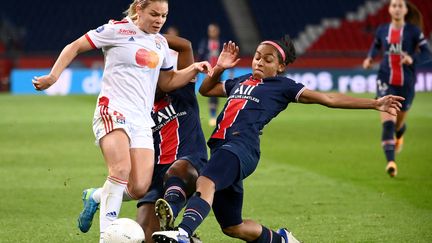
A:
{"x":133,"y":60}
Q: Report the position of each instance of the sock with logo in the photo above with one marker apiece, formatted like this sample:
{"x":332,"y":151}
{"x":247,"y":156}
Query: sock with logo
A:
{"x":111,"y":200}
{"x":175,"y":194}
{"x":268,"y":236}
{"x":196,"y":211}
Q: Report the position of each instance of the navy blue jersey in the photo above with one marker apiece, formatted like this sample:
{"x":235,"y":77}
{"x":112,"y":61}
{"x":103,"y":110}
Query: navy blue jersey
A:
{"x":394,"y":42}
{"x":178,"y":131}
{"x":251,"y":104}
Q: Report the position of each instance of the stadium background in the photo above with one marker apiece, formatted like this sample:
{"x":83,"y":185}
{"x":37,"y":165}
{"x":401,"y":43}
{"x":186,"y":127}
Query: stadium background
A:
{"x":331,"y":36}
{"x":321,"y":172}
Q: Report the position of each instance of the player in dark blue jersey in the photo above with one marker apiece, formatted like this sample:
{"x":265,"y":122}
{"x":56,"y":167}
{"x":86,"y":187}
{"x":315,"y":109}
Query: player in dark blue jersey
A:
{"x":404,"y":46}
{"x":180,"y":150}
{"x":253,"y":101}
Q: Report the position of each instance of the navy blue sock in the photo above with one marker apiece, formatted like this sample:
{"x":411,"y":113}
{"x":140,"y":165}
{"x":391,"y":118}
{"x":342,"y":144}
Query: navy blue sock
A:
{"x":213,"y":112}
{"x":388,"y":142}
{"x":175,"y":194}
{"x":196,"y":211}
{"x":401,"y":131}
{"x":268,"y":236}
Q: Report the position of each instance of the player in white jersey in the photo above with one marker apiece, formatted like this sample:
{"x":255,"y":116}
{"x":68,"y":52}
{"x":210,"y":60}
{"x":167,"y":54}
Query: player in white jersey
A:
{"x":136,"y":60}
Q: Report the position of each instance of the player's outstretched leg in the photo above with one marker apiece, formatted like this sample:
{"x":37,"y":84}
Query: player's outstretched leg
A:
{"x":399,"y":144}
{"x":287,"y":236}
{"x":165,"y":214}
{"x":85,"y":218}
{"x":391,"y":169}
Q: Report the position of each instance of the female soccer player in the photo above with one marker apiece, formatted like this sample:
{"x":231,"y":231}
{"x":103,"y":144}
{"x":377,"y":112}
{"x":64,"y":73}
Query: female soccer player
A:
{"x":400,"y":39}
{"x":253,"y":101}
{"x":136,"y":59}
{"x":180,"y":150}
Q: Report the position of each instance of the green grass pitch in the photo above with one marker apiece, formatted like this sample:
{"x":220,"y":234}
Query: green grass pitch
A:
{"x":321,"y":174}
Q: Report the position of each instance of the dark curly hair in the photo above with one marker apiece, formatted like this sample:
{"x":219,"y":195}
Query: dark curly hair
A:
{"x":289,"y":49}
{"x":286,"y":46}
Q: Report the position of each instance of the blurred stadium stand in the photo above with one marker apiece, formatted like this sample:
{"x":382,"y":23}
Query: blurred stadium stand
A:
{"x":332,"y":34}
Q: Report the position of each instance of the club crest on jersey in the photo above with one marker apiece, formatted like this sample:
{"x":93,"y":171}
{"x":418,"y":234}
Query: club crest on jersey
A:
{"x":100,"y":29}
{"x":158,"y":44}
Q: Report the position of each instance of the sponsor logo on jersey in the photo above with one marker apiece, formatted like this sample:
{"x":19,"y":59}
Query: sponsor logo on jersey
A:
{"x":395,"y":48}
{"x":126,"y":32}
{"x":164,"y":114}
{"x":146,"y":58}
{"x":131,"y":39}
{"x":244,"y":92}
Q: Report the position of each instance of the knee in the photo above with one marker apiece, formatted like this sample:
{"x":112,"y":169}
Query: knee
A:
{"x":138,"y":190}
{"x":232,"y":231}
{"x":120,"y":170}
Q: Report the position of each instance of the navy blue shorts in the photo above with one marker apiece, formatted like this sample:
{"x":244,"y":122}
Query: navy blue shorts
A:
{"x":156,"y":189}
{"x":223,"y":169}
{"x":408,"y":92}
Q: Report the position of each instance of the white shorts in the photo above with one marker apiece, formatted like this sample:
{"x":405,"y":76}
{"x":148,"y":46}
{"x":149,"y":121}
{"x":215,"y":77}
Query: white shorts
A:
{"x":106,"y":120}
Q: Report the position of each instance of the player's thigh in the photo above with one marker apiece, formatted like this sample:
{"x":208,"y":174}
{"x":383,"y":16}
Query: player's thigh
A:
{"x":142,"y":162}
{"x":115,"y":149}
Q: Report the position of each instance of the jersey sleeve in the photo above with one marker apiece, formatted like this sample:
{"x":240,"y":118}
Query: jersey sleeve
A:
{"x":293,"y":90}
{"x":168,"y":61}
{"x":425,"y":54}
{"x":102,"y":36}
{"x":229,"y":84}
{"x":376,"y":44}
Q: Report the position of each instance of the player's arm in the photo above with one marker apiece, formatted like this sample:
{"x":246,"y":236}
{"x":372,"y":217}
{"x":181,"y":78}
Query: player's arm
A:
{"x":172,"y":80}
{"x":228,"y":58}
{"x":184,"y":49}
{"x":373,"y":51}
{"x":66,"y":56}
{"x":390,"y":103}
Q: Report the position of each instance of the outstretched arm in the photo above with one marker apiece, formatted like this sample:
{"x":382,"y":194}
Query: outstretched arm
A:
{"x":228,"y":58}
{"x":184,"y":49}
{"x":390,"y":103}
{"x":65,"y":58}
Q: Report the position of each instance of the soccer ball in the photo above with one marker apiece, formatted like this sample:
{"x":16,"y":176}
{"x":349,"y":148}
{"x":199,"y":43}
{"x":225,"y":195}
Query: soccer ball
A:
{"x":124,"y":230}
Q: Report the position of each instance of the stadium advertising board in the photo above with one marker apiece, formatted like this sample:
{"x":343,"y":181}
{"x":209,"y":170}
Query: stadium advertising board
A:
{"x":88,"y":81}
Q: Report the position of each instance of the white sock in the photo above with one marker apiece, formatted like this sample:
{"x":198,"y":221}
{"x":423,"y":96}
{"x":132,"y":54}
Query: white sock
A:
{"x":183,"y":232}
{"x":111,"y":200}
{"x":127,"y":196}
{"x":97,"y":195}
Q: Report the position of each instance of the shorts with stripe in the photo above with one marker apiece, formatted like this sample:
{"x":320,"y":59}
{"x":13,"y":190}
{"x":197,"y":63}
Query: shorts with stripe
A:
{"x":106,"y":120}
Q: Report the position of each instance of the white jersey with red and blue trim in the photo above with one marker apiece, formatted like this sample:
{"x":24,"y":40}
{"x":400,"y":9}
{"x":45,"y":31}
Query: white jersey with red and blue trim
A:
{"x":133,"y":61}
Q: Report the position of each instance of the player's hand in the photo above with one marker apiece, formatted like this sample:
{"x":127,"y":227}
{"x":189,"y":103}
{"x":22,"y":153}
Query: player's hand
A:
{"x":43,"y":82}
{"x":204,"y":67}
{"x":228,"y":58}
{"x":367,"y":63}
{"x":390,"y":104}
{"x":406,"y":59}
